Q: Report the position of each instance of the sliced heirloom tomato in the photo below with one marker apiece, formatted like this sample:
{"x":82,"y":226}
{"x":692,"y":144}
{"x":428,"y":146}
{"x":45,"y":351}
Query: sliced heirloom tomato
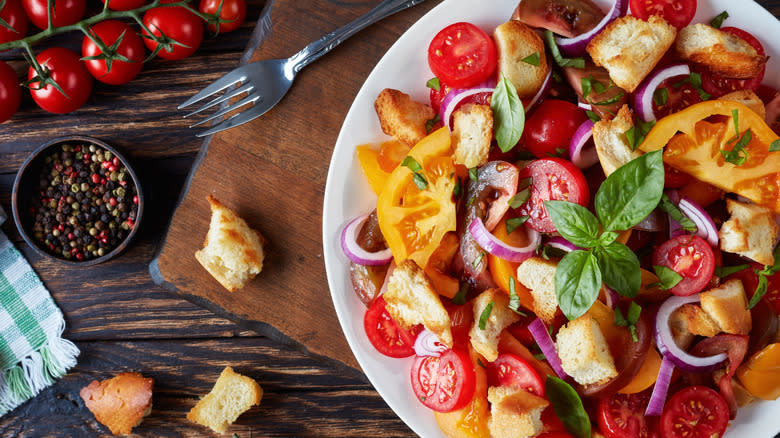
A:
{"x":695,"y":412}
{"x":502,"y":270}
{"x":471,"y":420}
{"x":385,"y":334}
{"x":462,"y":55}
{"x":678,"y":13}
{"x":623,"y":416}
{"x":551,"y":179}
{"x":718,"y":85}
{"x":761,"y":373}
{"x":689,"y":256}
{"x":512,"y":370}
{"x":549,"y":129}
{"x":414,"y":218}
{"x":444,"y":383}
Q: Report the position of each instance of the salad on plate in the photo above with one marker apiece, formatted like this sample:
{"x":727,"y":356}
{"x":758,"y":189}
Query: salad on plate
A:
{"x":575,"y":233}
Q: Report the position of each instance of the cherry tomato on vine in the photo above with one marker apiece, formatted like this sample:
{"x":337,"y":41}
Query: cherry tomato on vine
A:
{"x":549,"y":129}
{"x":178,"y":24}
{"x":10,"y":92}
{"x":13,"y":14}
{"x":695,"y":412}
{"x":462,"y":55}
{"x":232,"y":11}
{"x":131,"y":47}
{"x":678,"y":13}
{"x":66,"y":12}
{"x":124,"y":5}
{"x":689,"y":256}
{"x":66,"y":69}
{"x":718,"y":85}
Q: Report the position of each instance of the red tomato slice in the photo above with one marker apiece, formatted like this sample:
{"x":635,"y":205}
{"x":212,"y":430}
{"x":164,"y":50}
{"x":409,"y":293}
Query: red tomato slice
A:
{"x":689,"y":256}
{"x":678,"y":97}
{"x":462,"y":55}
{"x":695,"y":412}
{"x":549,"y":129}
{"x":623,"y":416}
{"x":444,"y":383}
{"x":555,"y":435}
{"x":718,"y":85}
{"x":678,"y":13}
{"x":674,"y":179}
{"x":385,"y":334}
{"x":512,"y":370}
{"x":551,"y":179}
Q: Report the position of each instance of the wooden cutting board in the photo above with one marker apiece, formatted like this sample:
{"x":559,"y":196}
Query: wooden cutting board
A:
{"x":272,"y":172}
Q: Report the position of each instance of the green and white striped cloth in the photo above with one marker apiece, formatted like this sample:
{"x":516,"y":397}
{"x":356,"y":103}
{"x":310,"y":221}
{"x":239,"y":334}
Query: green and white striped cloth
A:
{"x":33,"y":353}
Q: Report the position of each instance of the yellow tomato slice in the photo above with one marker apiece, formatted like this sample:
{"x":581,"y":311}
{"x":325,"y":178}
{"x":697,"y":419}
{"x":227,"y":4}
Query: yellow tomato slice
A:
{"x":413,"y":220}
{"x":647,"y":374}
{"x":761,"y":373}
{"x":502,"y":270}
{"x":368,"y":158}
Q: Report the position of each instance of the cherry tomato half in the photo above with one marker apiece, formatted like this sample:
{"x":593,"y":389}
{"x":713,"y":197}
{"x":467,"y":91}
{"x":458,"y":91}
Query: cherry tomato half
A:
{"x":678,"y":96}
{"x":13,"y":14}
{"x":10,"y":92}
{"x":175,"y":23}
{"x":444,"y":383}
{"x":511,"y":369}
{"x":462,"y":55}
{"x":67,"y":70}
{"x":718,"y":85}
{"x":124,"y":5}
{"x":65,"y":12}
{"x":232,"y":11}
{"x":695,"y":412}
{"x":131,"y":48}
{"x":678,"y":13}
{"x":623,"y":416}
{"x":549,"y":129}
{"x":551,"y":179}
{"x":385,"y":334}
{"x":689,"y":256}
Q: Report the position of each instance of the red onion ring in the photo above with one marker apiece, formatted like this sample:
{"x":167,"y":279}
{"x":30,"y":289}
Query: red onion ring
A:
{"x":457,"y":95}
{"x":572,"y":47}
{"x":490,"y":243}
{"x":657,"y":400}
{"x":583,"y":157}
{"x":545,"y":88}
{"x":665,"y":341}
{"x":561,"y":243}
{"x":643,"y":98}
{"x":705,"y":227}
{"x":611,"y":296}
{"x":357,"y":254}
{"x":546,"y":344}
{"x":428,"y":344}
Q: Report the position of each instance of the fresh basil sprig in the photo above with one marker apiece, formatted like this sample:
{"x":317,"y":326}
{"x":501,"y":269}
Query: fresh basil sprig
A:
{"x":556,"y":53}
{"x":568,"y":407}
{"x":508,"y":114}
{"x":483,"y":318}
{"x":668,"y":278}
{"x":630,"y":320}
{"x":674,"y":211}
{"x":763,"y":281}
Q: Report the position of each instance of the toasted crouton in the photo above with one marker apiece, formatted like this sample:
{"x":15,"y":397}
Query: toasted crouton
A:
{"x":694,"y":320}
{"x":401,"y":117}
{"x":747,"y":98}
{"x":472,"y":131}
{"x":629,"y":48}
{"x":516,"y":41}
{"x":719,"y":51}
{"x":538,"y":275}
{"x":411,"y":300}
{"x":727,"y":306}
{"x":584,"y":352}
{"x":609,"y":137}
{"x":514,"y":413}
{"x":231,"y":396}
{"x":119,"y":403}
{"x":751,"y":231}
{"x":485,"y":341}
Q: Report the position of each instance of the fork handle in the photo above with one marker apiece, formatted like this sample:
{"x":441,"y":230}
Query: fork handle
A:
{"x":315,"y":50}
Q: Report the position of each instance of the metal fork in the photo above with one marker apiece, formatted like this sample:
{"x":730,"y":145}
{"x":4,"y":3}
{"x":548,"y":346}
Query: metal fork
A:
{"x":267,"y":81}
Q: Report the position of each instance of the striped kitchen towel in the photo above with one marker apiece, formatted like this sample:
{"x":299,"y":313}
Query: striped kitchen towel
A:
{"x":33,"y":353}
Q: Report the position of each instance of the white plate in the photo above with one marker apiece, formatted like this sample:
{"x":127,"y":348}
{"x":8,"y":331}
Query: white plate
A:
{"x":347,"y":193}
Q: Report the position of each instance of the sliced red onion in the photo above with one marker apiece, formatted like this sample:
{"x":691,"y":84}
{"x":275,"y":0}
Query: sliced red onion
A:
{"x":585,"y":106}
{"x":705,"y":227}
{"x":428,"y":344}
{"x":357,"y":254}
{"x":561,"y":243}
{"x":665,"y":341}
{"x":674,"y":227}
{"x":572,"y":47}
{"x":457,"y":95}
{"x":581,"y":155}
{"x":657,"y":400}
{"x":546,"y":344}
{"x":643,"y":98}
{"x":653,"y":222}
{"x":542,"y":91}
{"x":496,"y":247}
{"x":611,"y":296}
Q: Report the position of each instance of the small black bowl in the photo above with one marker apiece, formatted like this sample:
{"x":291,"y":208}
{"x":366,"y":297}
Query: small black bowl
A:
{"x":26,"y":190}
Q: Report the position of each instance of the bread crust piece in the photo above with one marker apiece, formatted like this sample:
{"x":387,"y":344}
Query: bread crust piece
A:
{"x":472,"y":132}
{"x":629,"y":48}
{"x":727,"y":306}
{"x":538,"y":275}
{"x":748,"y":98}
{"x":721,"y":52}
{"x":401,"y":117}
{"x":119,"y":403}
{"x":515,"y":41}
{"x":751,"y":231}
{"x":485,"y":341}
{"x":584,"y":351}
{"x":609,"y":137}
{"x":232,"y":252}
{"x":231,"y":396}
{"x":514,"y":412}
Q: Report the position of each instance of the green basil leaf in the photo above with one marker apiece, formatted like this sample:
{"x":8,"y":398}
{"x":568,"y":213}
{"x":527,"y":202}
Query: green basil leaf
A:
{"x":775,"y":146}
{"x":514,"y":299}
{"x":620,"y":321}
{"x":515,"y":222}
{"x":574,"y":222}
{"x":631,"y":192}
{"x":593,"y":116}
{"x":411,"y":163}
{"x":725,"y":271}
{"x":776,"y":267}
{"x":586,"y":86}
{"x":485,"y":315}
{"x":547,"y":252}
{"x":717,"y":22}
{"x":667,"y":206}
{"x":763,"y":284}
{"x":620,"y":269}
{"x":568,"y":407}
{"x":556,"y":53}
{"x":473,"y":174}
{"x":532,"y":59}
{"x":738,"y":155}
{"x":668,"y":277}
{"x":420,"y":181}
{"x":661,"y":96}
{"x":520,"y":198}
{"x":607,"y":237}
{"x":460,"y":297}
{"x":434,"y":84}
{"x":508,"y":114}
{"x":429,"y":124}
{"x":577,"y":283}
{"x":634,"y":311}
{"x":458,"y":189}
{"x":614,"y":99}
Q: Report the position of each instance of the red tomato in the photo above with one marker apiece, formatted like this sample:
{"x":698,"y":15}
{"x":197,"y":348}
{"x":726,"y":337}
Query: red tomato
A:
{"x":549,"y":129}
{"x":677,"y":12}
{"x":749,"y":279}
{"x":461,"y":317}
{"x":131,"y":48}
{"x":555,"y":435}
{"x":437,"y":96}
{"x":623,"y":416}
{"x":551,"y":179}
{"x":444,"y":383}
{"x":678,"y":98}
{"x":689,"y":256}
{"x":66,"y":69}
{"x":233,"y":12}
{"x":175,"y":23}
{"x":520,"y":330}
{"x":65,"y":12}
{"x":10,"y":92}
{"x":718,"y":85}
{"x":511,"y":369}
{"x":385,"y":334}
{"x":13,"y":14}
{"x":124,"y":5}
{"x":674,"y":179}
{"x":695,"y":412}
{"x":462,"y":55}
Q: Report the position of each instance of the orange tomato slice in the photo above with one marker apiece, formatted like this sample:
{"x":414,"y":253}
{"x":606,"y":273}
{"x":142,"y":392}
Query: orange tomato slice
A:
{"x":502,"y":270}
{"x":368,"y":158}
{"x":471,"y":421}
{"x":761,"y":373}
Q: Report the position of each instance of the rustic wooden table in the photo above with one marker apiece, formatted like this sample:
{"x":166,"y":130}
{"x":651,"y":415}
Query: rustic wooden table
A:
{"x":122,"y":321}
